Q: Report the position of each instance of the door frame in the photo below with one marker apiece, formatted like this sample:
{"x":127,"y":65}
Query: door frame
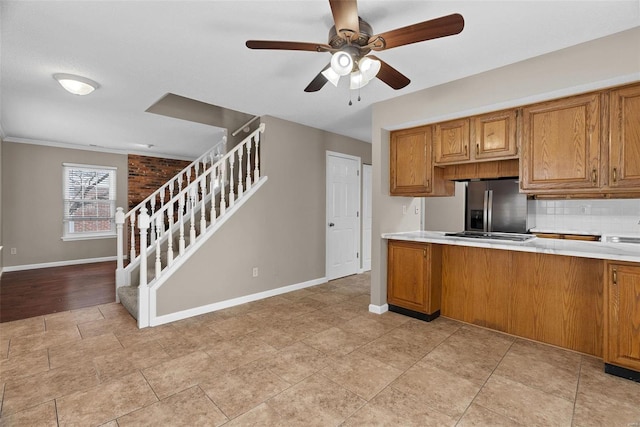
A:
{"x":363,"y":209}
{"x":358,"y":243}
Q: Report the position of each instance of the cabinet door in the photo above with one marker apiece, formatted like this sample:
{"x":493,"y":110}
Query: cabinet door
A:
{"x":622,"y":314}
{"x":451,"y":142}
{"x":407,"y":275}
{"x":624,"y":155}
{"x":494,"y":136}
{"x":410,"y":162}
{"x":561,"y":145}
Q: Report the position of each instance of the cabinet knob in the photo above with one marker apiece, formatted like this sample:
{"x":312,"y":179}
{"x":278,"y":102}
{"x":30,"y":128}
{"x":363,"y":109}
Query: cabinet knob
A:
{"x":615,"y":174}
{"x":615,"y":276}
{"x":331,"y":224}
{"x":594,"y":176}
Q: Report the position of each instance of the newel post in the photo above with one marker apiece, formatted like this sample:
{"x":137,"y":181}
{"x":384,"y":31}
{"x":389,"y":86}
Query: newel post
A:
{"x":143,"y":289}
{"x":119,"y":248}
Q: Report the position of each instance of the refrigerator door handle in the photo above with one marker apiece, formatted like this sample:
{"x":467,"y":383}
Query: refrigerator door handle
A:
{"x":485,"y":219}
{"x":489,"y":210}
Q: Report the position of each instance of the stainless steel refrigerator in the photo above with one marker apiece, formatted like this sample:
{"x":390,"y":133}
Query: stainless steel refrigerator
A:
{"x":496,"y":206}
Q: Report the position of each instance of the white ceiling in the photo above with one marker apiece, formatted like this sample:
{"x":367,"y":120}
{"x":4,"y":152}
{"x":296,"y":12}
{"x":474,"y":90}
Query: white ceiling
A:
{"x":139,"y":51}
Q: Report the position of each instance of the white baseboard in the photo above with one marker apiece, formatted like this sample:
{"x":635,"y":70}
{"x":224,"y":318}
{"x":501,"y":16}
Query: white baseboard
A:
{"x":161,"y":320}
{"x":59,"y":263}
{"x":378,"y":309}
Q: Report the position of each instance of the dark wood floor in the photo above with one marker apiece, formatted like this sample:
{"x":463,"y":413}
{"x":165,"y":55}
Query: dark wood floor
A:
{"x":32,"y":293}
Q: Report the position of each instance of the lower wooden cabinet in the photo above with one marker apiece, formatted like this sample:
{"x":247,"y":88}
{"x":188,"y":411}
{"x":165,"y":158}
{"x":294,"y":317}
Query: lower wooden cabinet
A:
{"x":414,"y":284}
{"x":622,"y":319}
{"x":548,"y":298}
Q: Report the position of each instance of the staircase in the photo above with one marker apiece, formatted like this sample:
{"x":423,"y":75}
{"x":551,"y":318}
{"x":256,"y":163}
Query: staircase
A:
{"x":165,"y":229}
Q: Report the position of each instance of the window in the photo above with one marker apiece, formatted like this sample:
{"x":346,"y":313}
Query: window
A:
{"x":89,"y":201}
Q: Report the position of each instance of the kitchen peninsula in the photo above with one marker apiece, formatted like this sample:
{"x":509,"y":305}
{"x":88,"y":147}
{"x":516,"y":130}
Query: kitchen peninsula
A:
{"x":583,"y":296}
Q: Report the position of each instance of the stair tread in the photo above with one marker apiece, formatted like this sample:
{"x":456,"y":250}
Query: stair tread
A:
{"x":129,"y":299}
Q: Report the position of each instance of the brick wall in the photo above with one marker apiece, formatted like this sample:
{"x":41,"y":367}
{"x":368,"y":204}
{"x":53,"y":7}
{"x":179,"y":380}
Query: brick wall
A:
{"x":147,"y":174}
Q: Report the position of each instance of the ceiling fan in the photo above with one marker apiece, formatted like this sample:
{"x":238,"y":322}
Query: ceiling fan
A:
{"x":351,"y":40}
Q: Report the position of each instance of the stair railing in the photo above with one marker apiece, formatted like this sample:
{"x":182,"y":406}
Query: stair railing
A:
{"x":230,"y":177}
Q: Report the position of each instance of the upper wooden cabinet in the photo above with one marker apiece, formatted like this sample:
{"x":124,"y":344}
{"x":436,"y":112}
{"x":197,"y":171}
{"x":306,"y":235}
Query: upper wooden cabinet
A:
{"x":624,"y":126}
{"x":410,"y":165}
{"x":451,"y":142}
{"x":489,"y":136}
{"x":586,"y":145}
{"x":410,"y":161}
{"x":561,"y":145}
{"x":494,"y":136}
{"x":622,"y":315}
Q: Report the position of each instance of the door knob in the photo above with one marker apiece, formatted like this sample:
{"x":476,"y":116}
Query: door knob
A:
{"x":331,"y":224}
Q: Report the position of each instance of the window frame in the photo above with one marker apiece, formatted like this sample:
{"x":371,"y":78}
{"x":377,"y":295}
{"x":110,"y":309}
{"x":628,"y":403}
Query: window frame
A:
{"x":67,"y":219}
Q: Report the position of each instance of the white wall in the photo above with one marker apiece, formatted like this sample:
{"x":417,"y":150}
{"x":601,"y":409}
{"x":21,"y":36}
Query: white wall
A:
{"x":597,"y":64}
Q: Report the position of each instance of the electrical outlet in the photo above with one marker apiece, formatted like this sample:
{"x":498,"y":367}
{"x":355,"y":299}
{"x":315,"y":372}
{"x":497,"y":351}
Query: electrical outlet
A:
{"x":255,"y":271}
{"x":14,"y":251}
{"x":404,"y":209}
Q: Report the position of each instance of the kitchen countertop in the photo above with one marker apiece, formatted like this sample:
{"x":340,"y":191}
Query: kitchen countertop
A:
{"x":598,"y":250}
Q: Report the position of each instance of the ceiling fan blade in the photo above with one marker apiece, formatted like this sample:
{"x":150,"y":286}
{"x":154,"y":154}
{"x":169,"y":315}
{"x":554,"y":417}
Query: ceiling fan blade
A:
{"x":427,"y":30}
{"x":318,"y":82}
{"x":345,"y":16}
{"x":285,"y":45}
{"x":390,"y":75}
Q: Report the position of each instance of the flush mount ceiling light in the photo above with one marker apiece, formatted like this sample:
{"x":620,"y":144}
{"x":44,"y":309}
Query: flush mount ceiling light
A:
{"x":76,"y":85}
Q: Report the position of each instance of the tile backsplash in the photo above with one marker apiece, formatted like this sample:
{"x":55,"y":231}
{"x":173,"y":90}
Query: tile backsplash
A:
{"x":621,"y":216}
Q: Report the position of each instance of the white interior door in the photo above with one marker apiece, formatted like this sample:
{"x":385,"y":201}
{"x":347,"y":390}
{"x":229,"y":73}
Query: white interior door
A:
{"x":343,"y":215}
{"x":367,"y":208}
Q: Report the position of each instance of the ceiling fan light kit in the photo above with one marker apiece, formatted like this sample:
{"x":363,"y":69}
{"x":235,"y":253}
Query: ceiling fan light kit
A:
{"x":357,"y":80}
{"x":351,"y":39}
{"x":341,"y":63}
{"x":76,"y":85}
{"x":332,"y":76}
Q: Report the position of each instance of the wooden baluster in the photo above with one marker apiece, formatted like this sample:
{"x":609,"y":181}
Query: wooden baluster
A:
{"x":159,"y":227}
{"x":232,"y":197}
{"x":196,"y":167}
{"x":143,"y":225}
{"x":192,"y":228}
{"x":213,"y":185}
{"x":152,"y":235}
{"x":170,"y":236}
{"x":240,"y":153}
{"x":186,"y":185}
{"x":203,"y":208}
{"x":132,"y":222}
{"x":171,"y":188}
{"x":223,"y":203}
{"x":248,"y":185}
{"x":179,"y":183}
{"x":256,"y":172}
{"x":181,"y":219}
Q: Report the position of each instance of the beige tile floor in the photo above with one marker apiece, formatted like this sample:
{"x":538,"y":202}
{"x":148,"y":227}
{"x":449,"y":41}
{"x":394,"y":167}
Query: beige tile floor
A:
{"x":310,"y":357}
